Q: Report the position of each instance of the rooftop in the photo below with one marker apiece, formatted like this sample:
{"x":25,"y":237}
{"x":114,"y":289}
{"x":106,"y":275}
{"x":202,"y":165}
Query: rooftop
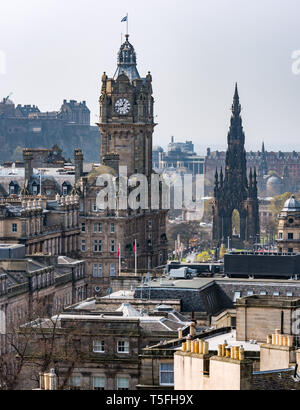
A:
{"x":230,"y":338}
{"x":200,"y":283}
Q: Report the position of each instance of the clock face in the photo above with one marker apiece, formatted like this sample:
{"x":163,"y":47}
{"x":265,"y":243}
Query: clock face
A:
{"x":122,"y":106}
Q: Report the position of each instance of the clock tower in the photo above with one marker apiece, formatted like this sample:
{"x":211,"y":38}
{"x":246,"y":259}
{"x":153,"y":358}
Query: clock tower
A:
{"x":126,"y":114}
{"x":113,"y":240}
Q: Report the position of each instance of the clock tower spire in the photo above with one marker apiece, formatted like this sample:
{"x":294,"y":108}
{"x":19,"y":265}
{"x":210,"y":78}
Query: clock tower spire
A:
{"x":126,"y":114}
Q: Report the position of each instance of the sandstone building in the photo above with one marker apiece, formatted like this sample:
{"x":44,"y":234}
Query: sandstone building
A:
{"x":288,"y":238}
{"x":126,"y":126}
{"x":35,"y":285}
{"x":109,"y":345}
{"x":43,"y":226}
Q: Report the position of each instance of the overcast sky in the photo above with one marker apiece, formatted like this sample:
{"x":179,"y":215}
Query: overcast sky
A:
{"x":195,"y":50}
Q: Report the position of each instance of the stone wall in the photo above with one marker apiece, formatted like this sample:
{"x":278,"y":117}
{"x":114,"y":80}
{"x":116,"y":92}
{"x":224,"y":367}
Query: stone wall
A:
{"x":202,"y":372}
{"x":258,"y":316}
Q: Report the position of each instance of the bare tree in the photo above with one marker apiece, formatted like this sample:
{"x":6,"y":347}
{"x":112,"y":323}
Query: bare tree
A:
{"x":34,"y":347}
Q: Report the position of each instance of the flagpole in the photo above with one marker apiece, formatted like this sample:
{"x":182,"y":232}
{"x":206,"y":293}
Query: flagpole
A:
{"x":40,"y":183}
{"x":127,"y":23}
{"x":119,"y":260}
{"x":135,"y":258}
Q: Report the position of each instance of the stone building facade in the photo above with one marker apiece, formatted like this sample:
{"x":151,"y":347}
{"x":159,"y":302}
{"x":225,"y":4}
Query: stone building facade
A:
{"x":110,"y":344}
{"x":180,"y":157}
{"x":34,"y":286}
{"x":288,"y":237}
{"x":257,"y":316}
{"x":126,"y":126}
{"x":44,"y":227}
{"x":234,"y":191}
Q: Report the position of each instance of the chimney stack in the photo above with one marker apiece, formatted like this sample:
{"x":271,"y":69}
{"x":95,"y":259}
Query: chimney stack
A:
{"x":27,"y":158}
{"x":78,"y":159}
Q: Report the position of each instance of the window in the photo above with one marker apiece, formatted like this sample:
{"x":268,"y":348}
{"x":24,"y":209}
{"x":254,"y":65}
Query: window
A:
{"x":97,"y":270}
{"x":280,"y":235}
{"x":98,"y":346}
{"x":14,"y":228}
{"x":150,"y":223}
{"x":289,"y":293}
{"x":276,"y":293}
{"x":34,"y":189}
{"x":123,"y":346}
{"x":290,"y":250}
{"x":75,"y":383}
{"x":166,"y":374}
{"x":83,"y":245}
{"x":98,"y":382}
{"x":112,"y":245}
{"x":83,"y":227}
{"x":123,"y":383}
{"x":65,"y":190}
{"x":98,"y":227}
{"x":290,"y":235}
{"x":97,"y":245}
{"x":250,"y":293}
{"x":263,"y":293}
{"x":236,"y":296}
{"x":112,"y":269}
{"x":112,"y":228}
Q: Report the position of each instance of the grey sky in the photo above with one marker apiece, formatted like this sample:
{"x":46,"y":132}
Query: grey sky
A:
{"x":195,"y":50}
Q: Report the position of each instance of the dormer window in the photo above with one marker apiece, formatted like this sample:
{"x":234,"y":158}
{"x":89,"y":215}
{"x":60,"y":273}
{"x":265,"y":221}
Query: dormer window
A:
{"x":13,"y":188}
{"x":66,"y":187}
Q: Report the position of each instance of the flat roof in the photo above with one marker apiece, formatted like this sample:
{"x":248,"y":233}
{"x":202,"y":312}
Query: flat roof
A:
{"x":201,"y":282}
{"x":230,"y":338}
{"x":11,"y":245}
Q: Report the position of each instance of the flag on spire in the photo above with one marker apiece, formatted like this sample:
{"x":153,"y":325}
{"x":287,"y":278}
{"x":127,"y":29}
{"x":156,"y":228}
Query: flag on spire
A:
{"x":124,"y":19}
{"x":134,"y":246}
{"x":119,"y":251}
